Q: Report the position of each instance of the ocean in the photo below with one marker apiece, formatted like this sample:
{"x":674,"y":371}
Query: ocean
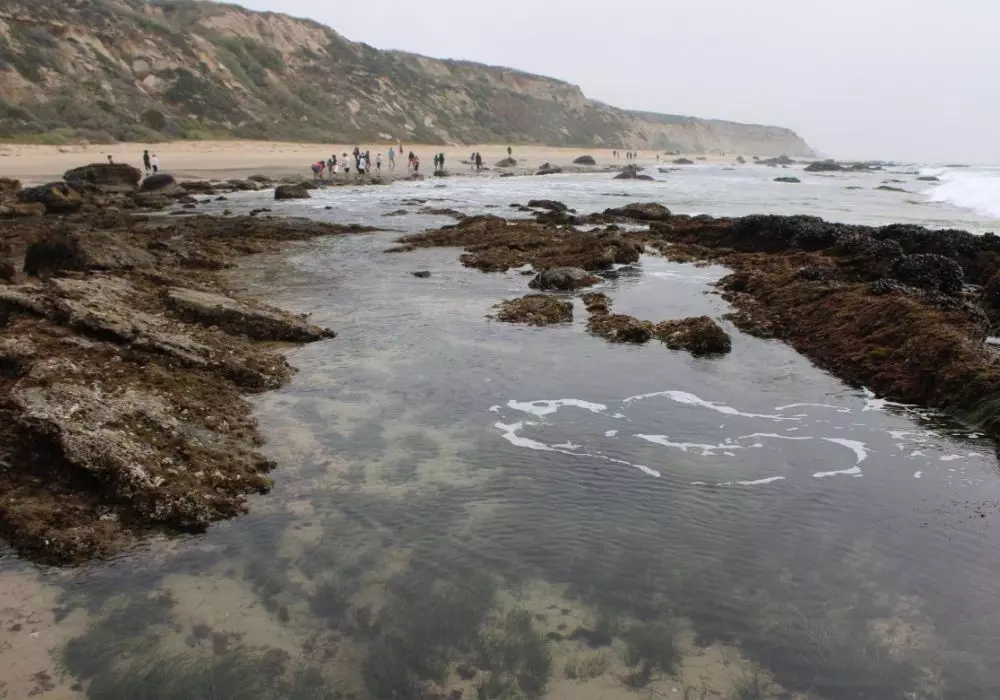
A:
{"x":464,"y":508}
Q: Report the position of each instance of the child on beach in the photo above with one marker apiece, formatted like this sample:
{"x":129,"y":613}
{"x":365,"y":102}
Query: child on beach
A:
{"x":155,"y":162}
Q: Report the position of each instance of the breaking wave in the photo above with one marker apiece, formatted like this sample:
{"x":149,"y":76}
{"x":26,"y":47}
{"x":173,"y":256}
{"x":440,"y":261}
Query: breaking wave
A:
{"x":977,"y":190}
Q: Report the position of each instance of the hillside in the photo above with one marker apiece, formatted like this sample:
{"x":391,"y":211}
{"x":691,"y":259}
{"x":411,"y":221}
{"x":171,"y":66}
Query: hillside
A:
{"x":130,"y":70}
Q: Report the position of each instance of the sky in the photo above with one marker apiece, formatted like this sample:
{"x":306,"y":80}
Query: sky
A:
{"x":889,"y":79}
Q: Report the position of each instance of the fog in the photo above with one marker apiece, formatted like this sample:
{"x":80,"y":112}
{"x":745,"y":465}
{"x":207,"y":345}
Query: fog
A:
{"x":901,"y":79}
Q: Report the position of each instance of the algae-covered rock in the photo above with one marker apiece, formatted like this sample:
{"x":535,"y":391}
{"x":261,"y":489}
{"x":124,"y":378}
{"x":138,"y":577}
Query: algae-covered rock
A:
{"x":58,"y":197}
{"x":699,"y":335}
{"x":596,"y":302}
{"x":619,"y":328}
{"x":535,"y":310}
{"x":59,"y":249}
{"x":234,"y":316}
{"x":564,"y":279}
{"x":644,"y":211}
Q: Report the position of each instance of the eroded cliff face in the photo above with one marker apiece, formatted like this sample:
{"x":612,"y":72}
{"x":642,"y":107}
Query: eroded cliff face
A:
{"x":132,"y":70}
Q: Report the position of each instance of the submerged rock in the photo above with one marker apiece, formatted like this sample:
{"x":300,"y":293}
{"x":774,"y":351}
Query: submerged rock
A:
{"x":825,"y":166}
{"x":683,"y":161}
{"x":422,"y":274}
{"x":548,"y":169}
{"x":700,"y":336}
{"x":548,"y":204}
{"x":535,"y":310}
{"x":564,"y":279}
{"x":793,"y":180}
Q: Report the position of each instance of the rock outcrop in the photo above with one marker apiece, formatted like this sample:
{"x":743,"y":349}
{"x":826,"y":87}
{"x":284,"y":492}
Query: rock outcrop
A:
{"x":585,"y":160}
{"x":535,"y":310}
{"x":107,"y":177}
{"x":564,"y":279}
{"x":298,"y":191}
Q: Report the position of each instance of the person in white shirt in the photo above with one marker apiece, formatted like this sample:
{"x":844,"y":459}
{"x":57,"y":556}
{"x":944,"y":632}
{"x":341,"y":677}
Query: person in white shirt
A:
{"x":155,"y":162}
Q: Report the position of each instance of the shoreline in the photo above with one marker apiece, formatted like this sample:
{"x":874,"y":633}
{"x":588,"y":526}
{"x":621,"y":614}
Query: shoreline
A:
{"x":126,"y":357}
{"x":221,"y":160}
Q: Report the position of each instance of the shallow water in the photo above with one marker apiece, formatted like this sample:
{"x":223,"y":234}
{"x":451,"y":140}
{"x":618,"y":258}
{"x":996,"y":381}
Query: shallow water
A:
{"x":545,"y":513}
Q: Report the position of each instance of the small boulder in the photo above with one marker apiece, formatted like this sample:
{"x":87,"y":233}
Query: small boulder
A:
{"x":535,"y":310}
{"x":632,"y":172}
{"x":619,"y":328}
{"x":700,"y":336}
{"x":162,"y":184}
{"x":198,"y":186}
{"x":297,"y":191}
{"x":57,"y":197}
{"x":422,"y":274}
{"x":107,"y":177}
{"x":683,"y":161}
{"x":597,"y":302}
{"x":564,"y":279}
{"x":507,"y":163}
{"x":548,"y":169}
{"x":929,"y":178}
{"x":646,"y":211}
{"x":548,"y":204}
{"x":585,"y":160}
{"x":793,"y":180}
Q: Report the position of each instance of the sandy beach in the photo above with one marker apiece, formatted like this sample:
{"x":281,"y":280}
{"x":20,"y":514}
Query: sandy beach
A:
{"x":224,"y":159}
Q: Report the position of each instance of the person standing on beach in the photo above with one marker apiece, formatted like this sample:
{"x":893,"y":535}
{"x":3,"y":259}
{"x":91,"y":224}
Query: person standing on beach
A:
{"x":392,"y":158}
{"x":155,"y":163}
{"x":510,"y":152}
{"x":441,"y":160}
{"x":378,"y":164}
{"x":416,"y":164}
{"x":145,"y":161}
{"x":347,"y":166}
{"x":330,"y":162}
{"x":479,"y":162}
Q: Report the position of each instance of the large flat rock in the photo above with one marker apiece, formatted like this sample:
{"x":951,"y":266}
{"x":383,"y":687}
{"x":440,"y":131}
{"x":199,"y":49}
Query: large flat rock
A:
{"x":240,"y":318}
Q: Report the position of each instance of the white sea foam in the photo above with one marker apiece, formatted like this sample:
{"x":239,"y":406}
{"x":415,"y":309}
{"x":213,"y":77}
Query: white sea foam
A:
{"x":854,"y":471}
{"x":545,"y":407}
{"x":683,"y":397}
{"x":977,"y":190}
{"x":857,"y":447}
{"x":704,"y":450}
{"x":838,"y":409}
{"x":510,"y":434}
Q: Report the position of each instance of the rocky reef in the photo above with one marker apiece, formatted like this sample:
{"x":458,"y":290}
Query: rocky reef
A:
{"x":902,"y":310}
{"x":535,"y":310}
{"x":123,"y":362}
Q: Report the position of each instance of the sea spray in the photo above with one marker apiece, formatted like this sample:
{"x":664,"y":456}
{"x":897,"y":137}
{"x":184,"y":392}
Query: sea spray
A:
{"x":976,"y":189}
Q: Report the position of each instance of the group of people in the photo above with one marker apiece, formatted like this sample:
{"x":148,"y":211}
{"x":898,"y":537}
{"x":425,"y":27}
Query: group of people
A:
{"x":149,"y":162}
{"x":628,"y":155}
{"x":476,"y":160}
{"x":439,"y":162}
{"x":362,"y":164}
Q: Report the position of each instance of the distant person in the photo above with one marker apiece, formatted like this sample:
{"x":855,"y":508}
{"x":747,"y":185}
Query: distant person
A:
{"x":510,"y":151}
{"x":441,"y":160}
{"x":111,"y":160}
{"x":378,"y":163}
{"x":318,"y":167}
{"x":331,"y":162}
{"x":479,"y":162}
{"x":392,"y":158}
{"x":347,"y":166}
{"x":411,"y":160}
{"x":416,"y":165}
{"x":155,"y":163}
{"x":361,"y":166}
{"x":145,"y":161}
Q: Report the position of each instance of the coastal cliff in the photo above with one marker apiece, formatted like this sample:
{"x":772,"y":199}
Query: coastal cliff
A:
{"x":130,"y":70}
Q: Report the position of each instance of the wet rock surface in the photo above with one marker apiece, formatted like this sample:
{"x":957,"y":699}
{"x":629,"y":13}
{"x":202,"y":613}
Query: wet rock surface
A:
{"x":701,"y":336}
{"x":297,"y":191}
{"x":535,"y":310}
{"x":564,"y":279}
{"x":619,"y":328}
{"x":123,"y":362}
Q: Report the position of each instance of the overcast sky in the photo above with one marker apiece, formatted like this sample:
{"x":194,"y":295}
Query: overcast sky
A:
{"x":904,"y":79}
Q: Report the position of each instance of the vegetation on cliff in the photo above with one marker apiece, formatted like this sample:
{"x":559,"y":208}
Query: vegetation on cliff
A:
{"x":133,"y":70}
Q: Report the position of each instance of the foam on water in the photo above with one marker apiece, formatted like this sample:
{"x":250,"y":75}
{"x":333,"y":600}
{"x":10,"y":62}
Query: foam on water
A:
{"x":975,"y":189}
{"x":550,"y":406}
{"x":684,"y":397}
